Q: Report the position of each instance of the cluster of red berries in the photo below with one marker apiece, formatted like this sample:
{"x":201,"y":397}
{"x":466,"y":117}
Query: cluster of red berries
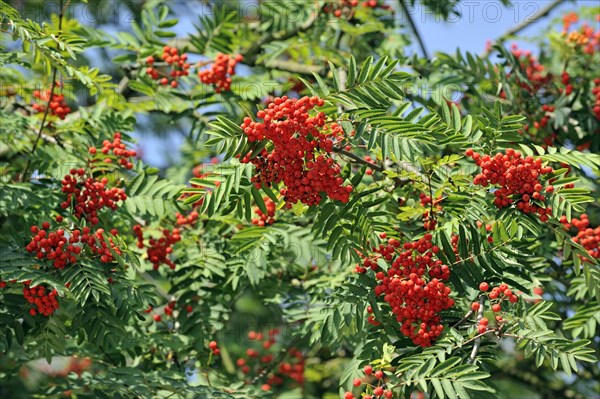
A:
{"x":426,"y":200}
{"x":301,"y":148}
{"x":214,"y":347}
{"x":534,"y":71}
{"x":413,"y":286}
{"x":58,"y":106}
{"x":596,"y":93}
{"x":76,"y":365}
{"x":499,"y":294}
{"x":372,"y":391}
{"x":179,"y":66}
{"x":190,"y":219}
{"x":346,"y":7}
{"x":54,"y":246}
{"x":221,"y":71}
{"x":118,"y":148}
{"x":544,"y":120}
{"x":263,"y":219}
{"x":341,"y":8}
{"x":518,"y":178}
{"x":89,"y":195}
{"x":290,"y":369}
{"x":587,"y":237}
{"x":168,"y":310}
{"x":98,"y":244}
{"x":41,"y":298}
{"x":429,"y":221}
{"x":585,"y":38}
{"x":565,"y":79}
{"x":158,"y":250}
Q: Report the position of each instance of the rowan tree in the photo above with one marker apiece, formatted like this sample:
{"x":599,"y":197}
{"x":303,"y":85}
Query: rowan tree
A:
{"x":326,"y":229}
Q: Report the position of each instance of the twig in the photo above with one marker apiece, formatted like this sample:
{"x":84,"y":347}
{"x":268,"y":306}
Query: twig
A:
{"x":528,"y":21}
{"x":464,"y":319}
{"x":50,"y":97}
{"x":358,"y":159}
{"x":478,"y":340}
{"x":413,"y":27}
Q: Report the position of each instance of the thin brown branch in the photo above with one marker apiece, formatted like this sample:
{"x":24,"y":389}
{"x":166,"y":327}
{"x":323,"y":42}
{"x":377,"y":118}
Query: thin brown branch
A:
{"x":358,"y":159}
{"x":464,"y":319}
{"x":414,"y":29}
{"x":62,"y":8}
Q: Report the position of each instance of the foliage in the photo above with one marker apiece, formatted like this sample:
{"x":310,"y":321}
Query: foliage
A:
{"x":179,"y":289}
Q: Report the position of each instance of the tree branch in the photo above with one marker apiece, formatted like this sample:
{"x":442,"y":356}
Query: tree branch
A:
{"x":529,"y":21}
{"x":413,"y":27}
{"x":50,"y":97}
{"x":478,"y":340}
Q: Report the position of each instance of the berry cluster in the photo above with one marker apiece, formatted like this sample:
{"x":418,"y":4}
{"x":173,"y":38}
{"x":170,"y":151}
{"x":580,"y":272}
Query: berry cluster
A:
{"x":158,"y":250}
{"x":118,"y":149}
{"x":214,"y":347}
{"x":372,"y":390}
{"x":169,"y":310}
{"x":260,"y":360}
{"x":586,"y":38}
{"x":497,"y":296}
{"x":534,"y":71}
{"x":518,"y":178}
{"x":587,"y":237}
{"x":220,"y":72}
{"x":41,"y":298}
{"x":179,"y":66}
{"x":341,"y":8}
{"x":58,"y":106}
{"x":89,"y":195}
{"x":99,"y":246}
{"x":54,"y":245}
{"x":429,"y":221}
{"x":300,"y":158}
{"x":190,"y":219}
{"x":596,"y":94}
{"x":413,"y":287}
{"x":345,"y":8}
{"x":269,"y":217}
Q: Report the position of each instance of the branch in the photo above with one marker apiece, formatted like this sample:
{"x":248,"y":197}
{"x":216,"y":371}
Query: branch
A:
{"x":478,"y":340}
{"x":50,"y":97}
{"x":413,"y":27}
{"x":529,"y":21}
{"x":464,"y":319}
{"x":358,"y":159}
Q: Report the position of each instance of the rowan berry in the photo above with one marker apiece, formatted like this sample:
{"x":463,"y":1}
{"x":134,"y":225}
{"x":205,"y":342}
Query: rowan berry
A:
{"x":42,"y":299}
{"x":413,"y":287}
{"x":56,"y":102}
{"x":220,"y":72}
{"x":263,"y":219}
{"x":518,"y":179}
{"x":300,"y":157}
